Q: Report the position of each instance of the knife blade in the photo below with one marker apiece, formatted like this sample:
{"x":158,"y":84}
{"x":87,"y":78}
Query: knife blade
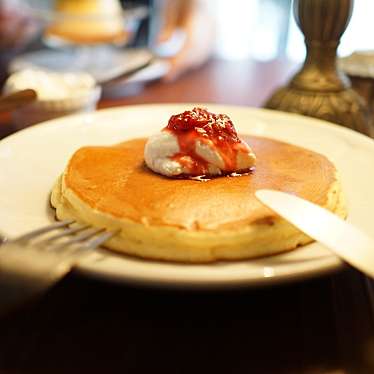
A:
{"x":344,"y":239}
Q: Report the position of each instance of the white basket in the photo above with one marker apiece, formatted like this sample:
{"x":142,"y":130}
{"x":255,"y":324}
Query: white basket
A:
{"x":43,"y":110}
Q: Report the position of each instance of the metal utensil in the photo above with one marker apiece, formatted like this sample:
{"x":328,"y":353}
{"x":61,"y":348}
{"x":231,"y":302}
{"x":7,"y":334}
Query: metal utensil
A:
{"x":127,"y":74}
{"x":345,"y":240}
{"x":32,"y":263}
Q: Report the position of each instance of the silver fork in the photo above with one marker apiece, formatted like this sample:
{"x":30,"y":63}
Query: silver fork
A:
{"x":32,"y":263}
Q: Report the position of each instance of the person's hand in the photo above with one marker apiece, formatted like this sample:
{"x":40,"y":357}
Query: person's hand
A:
{"x":16,"y":25}
{"x":191,"y":21}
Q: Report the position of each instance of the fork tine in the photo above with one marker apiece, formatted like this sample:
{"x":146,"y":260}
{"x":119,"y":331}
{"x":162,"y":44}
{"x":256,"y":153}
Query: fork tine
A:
{"x":28,"y":269}
{"x":100,"y":240}
{"x":69,"y":231}
{"x":78,"y":238}
{"x":33,"y":234}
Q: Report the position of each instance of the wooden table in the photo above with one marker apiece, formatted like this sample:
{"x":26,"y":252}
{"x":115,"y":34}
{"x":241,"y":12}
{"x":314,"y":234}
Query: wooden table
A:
{"x":86,"y":325}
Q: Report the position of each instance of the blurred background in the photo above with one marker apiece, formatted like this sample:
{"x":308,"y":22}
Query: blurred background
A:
{"x":266,"y":30}
{"x":238,"y":29}
{"x":258,"y":29}
{"x":180,"y":34}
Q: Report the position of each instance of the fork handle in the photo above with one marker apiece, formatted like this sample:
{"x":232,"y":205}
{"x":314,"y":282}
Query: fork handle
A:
{"x":22,"y":279}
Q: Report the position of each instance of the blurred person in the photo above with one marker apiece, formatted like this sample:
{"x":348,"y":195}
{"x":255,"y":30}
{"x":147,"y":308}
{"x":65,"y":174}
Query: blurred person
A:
{"x":16,"y":25}
{"x":180,"y":30}
{"x":195,"y":27}
{"x":17,"y":28}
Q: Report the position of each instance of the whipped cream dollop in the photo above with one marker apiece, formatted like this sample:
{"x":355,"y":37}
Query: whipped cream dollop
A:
{"x":198,"y":143}
{"x":51,"y":85}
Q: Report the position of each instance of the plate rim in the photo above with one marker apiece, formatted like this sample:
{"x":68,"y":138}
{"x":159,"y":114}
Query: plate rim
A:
{"x":318,"y":122}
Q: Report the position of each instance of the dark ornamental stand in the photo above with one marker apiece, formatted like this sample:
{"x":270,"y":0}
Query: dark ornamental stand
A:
{"x":319,"y":89}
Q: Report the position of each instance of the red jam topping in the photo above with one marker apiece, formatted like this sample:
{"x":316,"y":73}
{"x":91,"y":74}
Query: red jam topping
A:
{"x":200,"y":125}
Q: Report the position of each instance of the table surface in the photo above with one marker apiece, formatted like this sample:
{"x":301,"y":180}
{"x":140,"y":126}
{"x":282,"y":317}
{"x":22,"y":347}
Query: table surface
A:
{"x":86,"y":325}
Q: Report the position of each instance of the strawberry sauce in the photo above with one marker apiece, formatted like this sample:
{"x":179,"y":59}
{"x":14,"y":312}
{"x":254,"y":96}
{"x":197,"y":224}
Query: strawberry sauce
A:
{"x":200,"y":125}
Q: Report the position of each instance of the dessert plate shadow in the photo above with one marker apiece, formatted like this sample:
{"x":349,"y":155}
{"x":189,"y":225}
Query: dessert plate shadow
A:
{"x":31,"y":160}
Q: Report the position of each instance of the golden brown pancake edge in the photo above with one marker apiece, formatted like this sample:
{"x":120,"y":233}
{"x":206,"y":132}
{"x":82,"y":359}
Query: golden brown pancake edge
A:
{"x":162,"y":218}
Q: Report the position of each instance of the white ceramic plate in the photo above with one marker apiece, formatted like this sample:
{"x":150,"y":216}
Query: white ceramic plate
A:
{"x":31,"y":160}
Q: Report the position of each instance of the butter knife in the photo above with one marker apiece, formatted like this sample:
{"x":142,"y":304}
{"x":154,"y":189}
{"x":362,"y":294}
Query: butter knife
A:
{"x":347,"y":241}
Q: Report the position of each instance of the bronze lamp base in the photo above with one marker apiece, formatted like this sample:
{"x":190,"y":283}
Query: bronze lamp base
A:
{"x":319,"y":89}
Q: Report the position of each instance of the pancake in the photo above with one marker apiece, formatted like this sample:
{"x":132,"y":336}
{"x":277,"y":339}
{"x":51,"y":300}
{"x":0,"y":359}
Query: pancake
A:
{"x":88,"y":21}
{"x":188,"y":220}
